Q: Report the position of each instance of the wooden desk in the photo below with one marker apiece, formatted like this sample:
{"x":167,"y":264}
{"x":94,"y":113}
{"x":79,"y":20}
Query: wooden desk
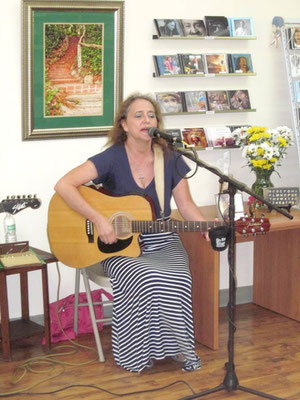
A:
{"x":276,"y":284}
{"x":24,"y":327}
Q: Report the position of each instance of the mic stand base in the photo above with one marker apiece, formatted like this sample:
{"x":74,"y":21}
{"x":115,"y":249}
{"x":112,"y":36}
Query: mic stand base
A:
{"x":231,"y":384}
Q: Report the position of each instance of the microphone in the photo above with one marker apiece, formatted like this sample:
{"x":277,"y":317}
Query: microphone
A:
{"x":154,"y":132}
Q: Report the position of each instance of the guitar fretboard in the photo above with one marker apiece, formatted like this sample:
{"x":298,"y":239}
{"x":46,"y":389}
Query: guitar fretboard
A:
{"x":173,"y":226}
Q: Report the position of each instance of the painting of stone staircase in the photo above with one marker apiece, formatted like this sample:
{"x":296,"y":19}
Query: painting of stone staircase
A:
{"x":77,"y":94}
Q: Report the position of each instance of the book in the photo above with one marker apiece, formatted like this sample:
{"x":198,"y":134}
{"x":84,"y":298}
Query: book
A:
{"x":176,"y":133}
{"x":216,"y":26}
{"x":167,"y":65}
{"x":168,"y":27}
{"x":23,"y":258}
{"x":193,"y":27}
{"x":217,"y":100}
{"x":194,"y":137}
{"x":239,"y":99}
{"x":192,"y":63}
{"x":216,"y":63}
{"x":219,"y":136}
{"x":241,"y":63}
{"x":241,"y":26}
{"x":195,"y":101}
{"x":169,"y":102}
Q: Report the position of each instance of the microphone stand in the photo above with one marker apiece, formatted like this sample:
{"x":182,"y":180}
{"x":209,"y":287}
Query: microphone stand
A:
{"x":230,"y":382}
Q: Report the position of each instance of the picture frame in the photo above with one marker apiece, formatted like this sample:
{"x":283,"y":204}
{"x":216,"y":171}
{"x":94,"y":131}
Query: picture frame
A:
{"x":176,"y":133}
{"x":194,"y":137}
{"x":241,"y":63}
{"x":193,"y":27}
{"x":294,"y":37}
{"x":241,"y":26}
{"x":170,"y":102}
{"x":239,"y":99}
{"x":216,"y":64}
{"x":217,"y":100}
{"x":219,"y":136}
{"x":167,"y":65}
{"x":168,"y":27}
{"x":195,"y":100}
{"x":217,"y":26}
{"x":297,"y":91}
{"x":51,"y":107}
{"x":192,"y":64}
{"x":295,"y":65}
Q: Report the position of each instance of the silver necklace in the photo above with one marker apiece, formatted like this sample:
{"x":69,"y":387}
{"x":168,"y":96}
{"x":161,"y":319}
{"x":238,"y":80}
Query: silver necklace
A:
{"x":140,"y":173}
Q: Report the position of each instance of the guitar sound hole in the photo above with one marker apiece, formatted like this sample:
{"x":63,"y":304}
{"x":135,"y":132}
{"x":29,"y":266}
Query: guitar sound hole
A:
{"x":114,"y":247}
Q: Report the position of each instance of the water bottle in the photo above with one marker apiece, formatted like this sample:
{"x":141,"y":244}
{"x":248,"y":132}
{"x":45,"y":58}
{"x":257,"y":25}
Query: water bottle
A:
{"x":10,"y":228}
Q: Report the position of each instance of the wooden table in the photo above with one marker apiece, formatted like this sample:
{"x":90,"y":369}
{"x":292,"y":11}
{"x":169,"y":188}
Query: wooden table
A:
{"x":24,"y":327}
{"x":276,"y":284}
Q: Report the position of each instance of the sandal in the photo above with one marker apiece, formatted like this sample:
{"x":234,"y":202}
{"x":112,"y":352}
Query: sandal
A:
{"x":191,"y":365}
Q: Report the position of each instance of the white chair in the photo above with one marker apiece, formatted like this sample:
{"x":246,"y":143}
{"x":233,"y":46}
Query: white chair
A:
{"x":95,"y":274}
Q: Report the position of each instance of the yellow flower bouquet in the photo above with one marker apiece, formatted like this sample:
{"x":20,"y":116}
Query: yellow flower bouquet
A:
{"x":264,"y":149}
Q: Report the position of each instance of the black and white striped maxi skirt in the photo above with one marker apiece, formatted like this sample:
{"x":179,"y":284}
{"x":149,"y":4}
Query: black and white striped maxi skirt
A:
{"x":152,"y":308}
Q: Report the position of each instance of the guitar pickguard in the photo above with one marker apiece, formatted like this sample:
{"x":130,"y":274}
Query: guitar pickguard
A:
{"x":114,"y":247}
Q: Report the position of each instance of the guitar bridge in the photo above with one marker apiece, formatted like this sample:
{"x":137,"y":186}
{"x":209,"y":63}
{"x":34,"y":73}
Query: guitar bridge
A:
{"x":89,"y":229}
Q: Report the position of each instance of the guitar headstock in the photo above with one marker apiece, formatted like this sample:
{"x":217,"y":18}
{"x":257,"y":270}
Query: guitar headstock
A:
{"x":252,"y":225}
{"x":15,"y":204}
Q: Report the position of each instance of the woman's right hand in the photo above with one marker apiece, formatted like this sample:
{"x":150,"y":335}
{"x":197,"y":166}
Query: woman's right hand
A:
{"x":105,"y":230}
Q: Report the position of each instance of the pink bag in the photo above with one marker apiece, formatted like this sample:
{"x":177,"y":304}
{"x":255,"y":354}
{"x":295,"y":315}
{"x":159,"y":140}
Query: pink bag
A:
{"x":66,"y":315}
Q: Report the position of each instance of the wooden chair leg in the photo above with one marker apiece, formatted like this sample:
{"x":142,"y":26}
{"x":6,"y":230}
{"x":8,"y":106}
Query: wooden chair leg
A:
{"x":24,"y":295}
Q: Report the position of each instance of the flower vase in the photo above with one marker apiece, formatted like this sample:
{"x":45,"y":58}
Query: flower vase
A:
{"x":262,"y":180}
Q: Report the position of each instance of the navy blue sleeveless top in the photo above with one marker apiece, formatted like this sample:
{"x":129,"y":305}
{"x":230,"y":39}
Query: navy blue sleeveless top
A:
{"x":115,"y":175}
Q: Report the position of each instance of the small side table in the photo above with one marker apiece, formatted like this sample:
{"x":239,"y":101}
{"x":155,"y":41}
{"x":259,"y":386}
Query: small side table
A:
{"x":24,"y":327}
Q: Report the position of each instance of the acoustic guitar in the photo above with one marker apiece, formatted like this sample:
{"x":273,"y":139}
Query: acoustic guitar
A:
{"x":75,"y":243}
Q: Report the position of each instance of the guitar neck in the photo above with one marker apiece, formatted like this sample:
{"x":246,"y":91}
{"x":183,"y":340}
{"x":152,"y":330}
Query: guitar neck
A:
{"x":173,"y":226}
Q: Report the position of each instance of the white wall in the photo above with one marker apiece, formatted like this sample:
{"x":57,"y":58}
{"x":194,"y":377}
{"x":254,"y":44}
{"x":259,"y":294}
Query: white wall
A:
{"x":34,"y":166}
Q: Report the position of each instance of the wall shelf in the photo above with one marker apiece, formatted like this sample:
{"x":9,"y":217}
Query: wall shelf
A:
{"x":156,"y":37}
{"x":204,"y":75}
{"x":210,"y":112}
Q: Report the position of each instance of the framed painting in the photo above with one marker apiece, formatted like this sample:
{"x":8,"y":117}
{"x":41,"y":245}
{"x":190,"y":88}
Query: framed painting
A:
{"x":72,"y":67}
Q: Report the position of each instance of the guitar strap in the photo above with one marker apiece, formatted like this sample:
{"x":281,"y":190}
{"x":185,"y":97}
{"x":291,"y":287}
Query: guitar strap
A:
{"x":159,"y":176}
